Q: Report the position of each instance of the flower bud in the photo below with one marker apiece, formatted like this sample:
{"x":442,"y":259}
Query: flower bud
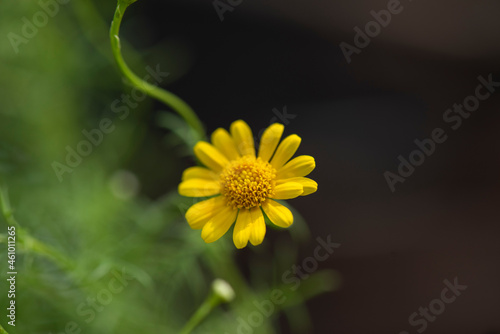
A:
{"x":223,"y":290}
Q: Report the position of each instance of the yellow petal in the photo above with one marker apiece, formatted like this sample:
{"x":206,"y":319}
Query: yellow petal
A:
{"x":269,"y":141}
{"x":299,"y":166}
{"x":285,"y":151}
{"x":225,"y":144}
{"x":200,"y":213}
{"x":310,"y":186}
{"x":219,"y":224}
{"x":241,"y":232}
{"x":258,"y":229}
{"x":288,"y":190}
{"x":250,"y":225}
{"x":199,"y":173}
{"x":199,"y":188}
{"x":278,"y":214}
{"x":210,"y":156}
{"x":243,"y":138}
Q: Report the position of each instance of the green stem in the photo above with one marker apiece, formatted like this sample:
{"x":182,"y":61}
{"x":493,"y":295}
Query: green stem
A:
{"x":203,"y":311}
{"x":6,"y":208}
{"x":40,"y":248}
{"x":30,"y":243}
{"x":3,"y":331}
{"x":171,"y":100}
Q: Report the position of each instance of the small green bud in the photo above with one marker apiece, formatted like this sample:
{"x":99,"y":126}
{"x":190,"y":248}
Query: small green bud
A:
{"x":223,"y":290}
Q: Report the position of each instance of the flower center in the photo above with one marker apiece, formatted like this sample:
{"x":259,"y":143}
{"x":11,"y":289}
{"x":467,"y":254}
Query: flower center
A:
{"x":247,"y":182}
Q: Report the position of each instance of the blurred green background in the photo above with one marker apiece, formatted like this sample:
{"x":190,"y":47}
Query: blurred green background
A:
{"x":86,"y":221}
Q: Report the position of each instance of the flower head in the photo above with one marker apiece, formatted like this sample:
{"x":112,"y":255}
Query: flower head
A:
{"x":244,"y":184}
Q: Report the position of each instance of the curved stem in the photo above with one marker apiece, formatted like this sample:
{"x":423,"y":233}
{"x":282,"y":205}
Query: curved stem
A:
{"x":171,"y":100}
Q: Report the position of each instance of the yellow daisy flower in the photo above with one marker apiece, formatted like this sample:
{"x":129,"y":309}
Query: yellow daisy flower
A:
{"x":245,"y":185}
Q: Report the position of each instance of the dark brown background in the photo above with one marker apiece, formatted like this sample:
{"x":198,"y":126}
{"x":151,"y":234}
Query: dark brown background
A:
{"x":355,"y":119}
